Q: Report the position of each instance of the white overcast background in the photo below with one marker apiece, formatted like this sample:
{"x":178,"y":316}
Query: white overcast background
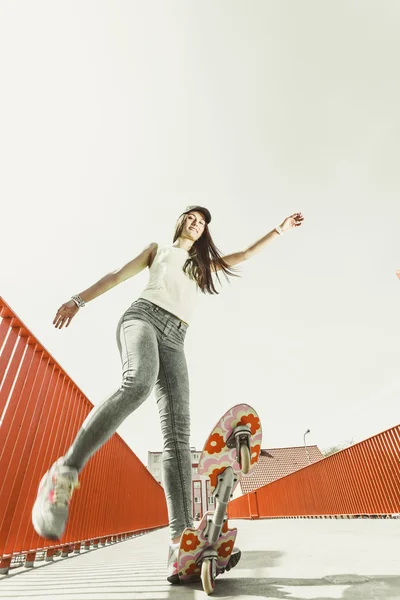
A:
{"x":115,"y":115}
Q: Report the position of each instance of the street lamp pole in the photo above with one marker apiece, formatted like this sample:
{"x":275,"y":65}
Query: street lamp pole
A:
{"x":305,"y":446}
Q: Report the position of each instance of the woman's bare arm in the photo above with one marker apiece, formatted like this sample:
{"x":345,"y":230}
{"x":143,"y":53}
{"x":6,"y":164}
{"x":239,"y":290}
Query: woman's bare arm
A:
{"x":294,"y":220}
{"x":106,"y":283}
{"x":68,"y":310}
{"x":230,"y":259}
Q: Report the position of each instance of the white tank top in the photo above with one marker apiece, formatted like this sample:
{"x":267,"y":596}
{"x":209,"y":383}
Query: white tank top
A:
{"x":168,"y":286}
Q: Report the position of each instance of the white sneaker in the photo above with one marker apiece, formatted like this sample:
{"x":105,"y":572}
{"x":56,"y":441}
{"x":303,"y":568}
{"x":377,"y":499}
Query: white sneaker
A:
{"x":172,"y":564}
{"x":50,"y":511}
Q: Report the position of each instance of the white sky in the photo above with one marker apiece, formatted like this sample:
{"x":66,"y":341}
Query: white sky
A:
{"x":115,"y":115}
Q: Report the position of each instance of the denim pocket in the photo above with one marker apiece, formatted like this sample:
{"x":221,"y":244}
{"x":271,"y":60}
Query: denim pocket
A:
{"x":182,"y":331}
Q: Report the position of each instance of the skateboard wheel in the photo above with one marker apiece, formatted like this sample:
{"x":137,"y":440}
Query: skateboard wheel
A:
{"x":207,"y":576}
{"x":245,"y":458}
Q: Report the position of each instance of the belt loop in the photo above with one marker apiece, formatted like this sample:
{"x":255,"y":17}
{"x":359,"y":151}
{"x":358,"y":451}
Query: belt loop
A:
{"x":180,"y":324}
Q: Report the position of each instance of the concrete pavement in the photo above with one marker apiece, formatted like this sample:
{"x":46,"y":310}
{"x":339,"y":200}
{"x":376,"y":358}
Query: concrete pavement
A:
{"x":282,"y":559}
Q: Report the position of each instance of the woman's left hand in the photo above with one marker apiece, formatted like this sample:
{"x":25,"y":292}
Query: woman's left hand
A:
{"x":292,"y":221}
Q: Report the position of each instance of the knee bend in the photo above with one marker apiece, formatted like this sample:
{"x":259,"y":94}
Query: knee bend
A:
{"x":137,"y":387}
{"x":176,"y":431}
{"x":175,"y":439}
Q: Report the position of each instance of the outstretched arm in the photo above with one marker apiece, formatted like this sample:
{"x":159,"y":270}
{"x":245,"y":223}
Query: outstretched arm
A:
{"x":289,"y":223}
{"x":68,"y":310}
{"x":294,"y":220}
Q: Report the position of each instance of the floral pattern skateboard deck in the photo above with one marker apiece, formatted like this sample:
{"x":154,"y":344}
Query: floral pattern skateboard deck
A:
{"x":193,"y":543}
{"x":214,"y":459}
{"x":216,"y":455}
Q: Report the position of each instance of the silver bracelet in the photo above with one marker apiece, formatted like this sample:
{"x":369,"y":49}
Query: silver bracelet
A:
{"x":78,"y":301}
{"x":279,"y":230}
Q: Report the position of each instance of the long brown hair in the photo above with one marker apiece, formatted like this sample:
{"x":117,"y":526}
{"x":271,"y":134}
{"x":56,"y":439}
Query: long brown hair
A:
{"x":202,"y":254}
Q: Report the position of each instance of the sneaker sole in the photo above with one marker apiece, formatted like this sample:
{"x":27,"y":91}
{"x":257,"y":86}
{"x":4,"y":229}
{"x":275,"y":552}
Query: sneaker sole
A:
{"x":39,"y":525}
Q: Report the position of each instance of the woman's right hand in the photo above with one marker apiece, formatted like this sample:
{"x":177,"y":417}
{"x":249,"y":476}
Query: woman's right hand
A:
{"x":65,"y":314}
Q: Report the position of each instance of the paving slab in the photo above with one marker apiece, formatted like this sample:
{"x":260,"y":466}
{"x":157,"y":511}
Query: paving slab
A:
{"x":296,"y":559}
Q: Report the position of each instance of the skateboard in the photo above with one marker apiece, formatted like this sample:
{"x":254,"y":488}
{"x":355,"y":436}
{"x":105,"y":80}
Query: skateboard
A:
{"x":232,"y":449}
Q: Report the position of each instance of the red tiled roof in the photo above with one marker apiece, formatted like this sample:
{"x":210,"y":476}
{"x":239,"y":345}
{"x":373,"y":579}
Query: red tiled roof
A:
{"x":275,"y":463}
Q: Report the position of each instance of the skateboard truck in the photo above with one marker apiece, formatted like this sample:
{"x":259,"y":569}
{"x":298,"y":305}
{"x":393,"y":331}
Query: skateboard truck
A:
{"x":240,"y":435}
{"x":212,"y":555}
{"x":222,"y":495}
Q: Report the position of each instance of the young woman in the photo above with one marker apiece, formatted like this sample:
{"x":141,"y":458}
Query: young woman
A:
{"x":150,"y":337}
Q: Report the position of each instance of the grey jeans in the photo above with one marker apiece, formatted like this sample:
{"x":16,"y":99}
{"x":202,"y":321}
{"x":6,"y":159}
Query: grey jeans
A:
{"x":151,"y":344}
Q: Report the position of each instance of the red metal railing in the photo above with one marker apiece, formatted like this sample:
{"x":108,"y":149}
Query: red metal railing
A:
{"x":41,"y":410}
{"x":363,"y":479}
